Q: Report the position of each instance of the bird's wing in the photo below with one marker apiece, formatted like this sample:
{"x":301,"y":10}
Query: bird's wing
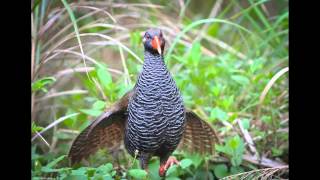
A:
{"x":198,"y":136}
{"x":107,"y":131}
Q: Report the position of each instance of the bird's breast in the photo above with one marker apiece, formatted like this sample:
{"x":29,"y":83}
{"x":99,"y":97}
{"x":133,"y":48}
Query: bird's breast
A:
{"x":155,"y":113}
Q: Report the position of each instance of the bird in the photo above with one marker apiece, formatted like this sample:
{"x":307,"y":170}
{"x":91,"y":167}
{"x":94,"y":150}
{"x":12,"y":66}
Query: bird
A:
{"x":150,"y":120}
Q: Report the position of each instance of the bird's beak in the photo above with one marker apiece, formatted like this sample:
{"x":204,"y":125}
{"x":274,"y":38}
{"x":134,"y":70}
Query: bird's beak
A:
{"x":156,"y":44}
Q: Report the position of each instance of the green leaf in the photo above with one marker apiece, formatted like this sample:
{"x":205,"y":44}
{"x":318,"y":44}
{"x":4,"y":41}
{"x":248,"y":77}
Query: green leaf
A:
{"x":98,"y":105}
{"x":196,"y":158}
{"x":41,"y":83}
{"x":172,"y":178}
{"x":172,"y":171}
{"x":217,"y":113}
{"x":234,"y":143}
{"x":185,"y":163}
{"x":276,"y":151}
{"x":56,"y":161}
{"x":241,"y":79}
{"x":221,"y":170}
{"x":216,"y":90}
{"x":256,"y":65}
{"x":135,"y":38}
{"x":79,"y":172}
{"x":237,"y":145}
{"x":194,"y":55}
{"x":226,"y":102}
{"x":236,"y":170}
{"x":91,"y":112}
{"x":104,"y":76}
{"x":104,"y":169}
{"x":35,"y":128}
{"x":154,"y":169}
{"x":137,"y":173}
{"x":245,"y":123}
{"x":203,"y":174}
{"x":266,"y":119}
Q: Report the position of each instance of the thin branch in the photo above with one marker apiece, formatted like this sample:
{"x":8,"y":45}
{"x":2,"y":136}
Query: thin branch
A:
{"x":42,"y":138}
{"x":56,"y":122}
{"x":71,"y":92}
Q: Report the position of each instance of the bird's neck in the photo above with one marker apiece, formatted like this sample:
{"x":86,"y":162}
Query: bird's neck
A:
{"x":153,"y":62}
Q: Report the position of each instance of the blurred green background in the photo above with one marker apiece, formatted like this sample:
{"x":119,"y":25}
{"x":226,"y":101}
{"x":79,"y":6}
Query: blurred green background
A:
{"x":228,"y":58}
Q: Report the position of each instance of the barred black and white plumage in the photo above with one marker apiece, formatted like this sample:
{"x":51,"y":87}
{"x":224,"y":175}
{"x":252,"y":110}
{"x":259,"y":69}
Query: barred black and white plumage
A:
{"x":156,"y":112}
{"x":150,"y":119}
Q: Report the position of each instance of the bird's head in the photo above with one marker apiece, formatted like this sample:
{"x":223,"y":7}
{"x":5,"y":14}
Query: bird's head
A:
{"x":153,"y":41}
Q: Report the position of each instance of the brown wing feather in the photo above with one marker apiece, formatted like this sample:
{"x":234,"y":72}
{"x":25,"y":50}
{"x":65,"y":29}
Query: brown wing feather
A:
{"x":107,"y":131}
{"x":198,"y":136}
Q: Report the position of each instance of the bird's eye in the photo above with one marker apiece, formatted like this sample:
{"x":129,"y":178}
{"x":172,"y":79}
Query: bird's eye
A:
{"x":147,"y":36}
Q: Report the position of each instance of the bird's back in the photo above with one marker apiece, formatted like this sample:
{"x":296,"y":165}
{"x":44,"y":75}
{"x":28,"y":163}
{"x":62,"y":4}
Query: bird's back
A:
{"x":156,"y":112}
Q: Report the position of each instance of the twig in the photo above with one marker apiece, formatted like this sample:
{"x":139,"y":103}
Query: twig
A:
{"x":69,"y":131}
{"x":247,"y":138}
{"x":126,"y":72}
{"x":54,"y":124}
{"x":268,"y":86}
{"x":42,"y":138}
{"x":71,"y":92}
{"x":73,"y":70}
{"x":265,"y":162}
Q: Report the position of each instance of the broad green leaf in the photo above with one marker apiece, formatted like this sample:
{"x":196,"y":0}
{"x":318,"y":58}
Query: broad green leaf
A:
{"x":245,"y":123}
{"x":234,"y":143}
{"x":221,"y":170}
{"x":154,"y":169}
{"x":196,"y":158}
{"x":91,"y":112}
{"x":217,"y":113}
{"x":137,"y":173}
{"x":104,"y":76}
{"x":185,"y":163}
{"x":237,"y":146}
{"x":99,"y":105}
{"x":172,"y":171}
{"x":236,"y":170}
{"x":79,"y":172}
{"x":70,"y":121}
{"x":103,"y":169}
{"x":213,"y":29}
{"x":203,"y":174}
{"x":236,"y":160}
{"x":135,"y":38}
{"x":194,"y":54}
{"x":241,"y":79}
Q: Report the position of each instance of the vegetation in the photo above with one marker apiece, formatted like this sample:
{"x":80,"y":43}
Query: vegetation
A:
{"x":229,"y":59}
